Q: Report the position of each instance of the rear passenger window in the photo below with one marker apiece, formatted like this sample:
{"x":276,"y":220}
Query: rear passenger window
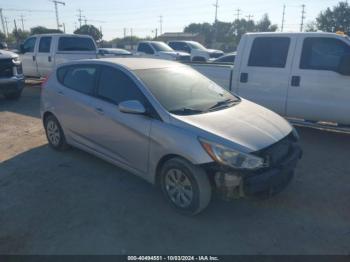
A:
{"x":145,"y":48}
{"x":79,"y":78}
{"x":269,"y":52}
{"x":76,"y":44}
{"x":320,"y":53}
{"x":45,"y":45}
{"x":115,"y":86}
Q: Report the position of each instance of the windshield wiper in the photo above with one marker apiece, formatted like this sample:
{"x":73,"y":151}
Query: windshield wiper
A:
{"x":186,"y":111}
{"x":223,"y":104}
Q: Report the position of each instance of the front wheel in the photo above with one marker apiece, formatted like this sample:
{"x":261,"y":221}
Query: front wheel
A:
{"x":185,"y":186}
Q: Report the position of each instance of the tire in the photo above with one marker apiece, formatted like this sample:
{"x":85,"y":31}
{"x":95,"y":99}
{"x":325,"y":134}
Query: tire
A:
{"x":185,"y":186}
{"x":54,"y":134}
{"x":13,"y":95}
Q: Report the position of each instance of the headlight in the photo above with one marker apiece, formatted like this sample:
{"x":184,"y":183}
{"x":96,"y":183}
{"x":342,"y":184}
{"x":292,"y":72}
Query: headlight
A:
{"x":232,"y":158}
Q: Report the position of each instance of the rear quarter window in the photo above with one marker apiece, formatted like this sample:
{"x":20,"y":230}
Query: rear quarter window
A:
{"x":76,"y":44}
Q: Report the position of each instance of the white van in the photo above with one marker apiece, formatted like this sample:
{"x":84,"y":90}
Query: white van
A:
{"x":41,"y":53}
{"x":302,"y":76}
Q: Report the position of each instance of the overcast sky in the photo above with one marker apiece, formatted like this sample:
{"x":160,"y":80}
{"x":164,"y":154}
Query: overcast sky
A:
{"x":143,"y":15}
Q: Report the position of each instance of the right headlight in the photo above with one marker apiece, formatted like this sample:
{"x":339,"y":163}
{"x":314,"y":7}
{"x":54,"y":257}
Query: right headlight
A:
{"x":232,"y":158}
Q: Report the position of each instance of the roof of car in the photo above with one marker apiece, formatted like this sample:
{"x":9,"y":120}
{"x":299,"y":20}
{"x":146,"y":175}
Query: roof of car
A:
{"x":139,"y":63}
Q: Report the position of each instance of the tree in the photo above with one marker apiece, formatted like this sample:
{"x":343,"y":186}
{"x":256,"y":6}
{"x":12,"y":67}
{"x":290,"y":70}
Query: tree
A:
{"x":38,"y":30}
{"x":2,"y":37}
{"x":265,"y":25}
{"x":335,"y":19}
{"x":91,"y":31}
{"x":205,"y":29}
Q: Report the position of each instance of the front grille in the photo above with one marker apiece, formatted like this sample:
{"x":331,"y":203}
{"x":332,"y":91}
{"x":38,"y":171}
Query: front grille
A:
{"x":6,"y":68}
{"x":186,"y":58}
{"x":215,"y":55}
{"x":279,"y":151}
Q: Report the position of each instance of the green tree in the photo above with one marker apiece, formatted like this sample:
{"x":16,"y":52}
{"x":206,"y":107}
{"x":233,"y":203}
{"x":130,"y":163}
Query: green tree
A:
{"x":205,"y":29}
{"x":38,"y":30}
{"x":335,"y":19}
{"x":91,"y":31}
{"x":2,"y":37}
{"x":265,"y":25}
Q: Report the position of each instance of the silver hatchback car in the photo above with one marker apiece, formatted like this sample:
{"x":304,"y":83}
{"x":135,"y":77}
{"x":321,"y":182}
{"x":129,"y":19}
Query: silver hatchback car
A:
{"x":170,"y":125}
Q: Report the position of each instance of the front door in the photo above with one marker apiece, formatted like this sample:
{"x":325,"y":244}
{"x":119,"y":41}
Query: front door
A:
{"x":28,"y":57}
{"x":265,"y":71}
{"x":320,"y":94}
{"x":123,"y":137}
{"x":43,"y":57}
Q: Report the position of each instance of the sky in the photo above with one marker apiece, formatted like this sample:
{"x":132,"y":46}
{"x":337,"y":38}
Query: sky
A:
{"x":143,"y":16}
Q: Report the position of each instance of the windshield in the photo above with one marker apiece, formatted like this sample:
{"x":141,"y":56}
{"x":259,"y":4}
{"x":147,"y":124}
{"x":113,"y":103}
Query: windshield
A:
{"x":183,"y":91}
{"x":196,"y":45}
{"x":160,"y":46}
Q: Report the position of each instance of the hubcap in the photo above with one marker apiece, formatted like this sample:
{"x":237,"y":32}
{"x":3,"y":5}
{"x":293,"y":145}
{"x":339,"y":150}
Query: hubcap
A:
{"x":179,"y":188}
{"x":53,"y":133}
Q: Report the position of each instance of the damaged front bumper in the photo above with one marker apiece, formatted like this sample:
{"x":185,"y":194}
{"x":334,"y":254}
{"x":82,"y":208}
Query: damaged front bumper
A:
{"x":233,"y":184}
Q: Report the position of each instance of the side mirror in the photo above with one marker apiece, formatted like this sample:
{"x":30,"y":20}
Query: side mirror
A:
{"x":344,"y":65}
{"x":21,"y":49}
{"x":132,"y":107}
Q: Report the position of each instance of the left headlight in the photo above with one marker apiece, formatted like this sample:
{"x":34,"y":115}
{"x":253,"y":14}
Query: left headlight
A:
{"x":232,"y":158}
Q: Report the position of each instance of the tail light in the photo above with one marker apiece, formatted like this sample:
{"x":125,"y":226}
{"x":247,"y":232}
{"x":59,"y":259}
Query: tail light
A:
{"x":45,"y":80}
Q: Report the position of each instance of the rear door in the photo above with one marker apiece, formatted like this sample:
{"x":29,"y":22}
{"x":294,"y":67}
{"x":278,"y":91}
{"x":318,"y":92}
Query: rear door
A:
{"x":73,"y":100}
{"x":43,"y":57}
{"x":123,"y":137}
{"x":265,"y":71}
{"x":28,"y":57}
{"x":319,"y":92}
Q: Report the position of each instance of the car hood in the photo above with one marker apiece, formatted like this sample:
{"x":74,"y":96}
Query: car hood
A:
{"x":7,"y":54}
{"x":246,"y":126}
{"x":173,"y":53}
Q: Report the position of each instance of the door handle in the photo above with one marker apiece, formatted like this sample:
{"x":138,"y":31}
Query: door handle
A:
{"x":49,"y":58}
{"x":244,"y":78}
{"x":99,"y":110}
{"x":295,"y":81}
{"x":34,"y":57}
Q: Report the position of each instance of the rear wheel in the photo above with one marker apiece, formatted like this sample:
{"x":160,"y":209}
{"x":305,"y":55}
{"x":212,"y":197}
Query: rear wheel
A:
{"x":185,"y":186}
{"x":13,"y":95}
{"x":54,"y":134}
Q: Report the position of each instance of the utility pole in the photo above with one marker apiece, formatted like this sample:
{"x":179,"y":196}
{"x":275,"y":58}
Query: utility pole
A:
{"x":7,"y":28}
{"x":2,"y":22}
{"x":302,"y":18}
{"x":85,"y":20}
{"x":64,"y":27}
{"x":56,"y":11}
{"x":80,"y":17}
{"x":216,"y":5}
{"x":283,"y":17}
{"x":238,"y":13}
{"x":124,"y":32}
{"x":249,"y":17}
{"x":22,"y":21}
{"x":160,"y":25}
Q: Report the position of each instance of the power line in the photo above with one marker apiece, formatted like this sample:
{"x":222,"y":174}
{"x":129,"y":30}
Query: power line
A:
{"x":302,"y":18}
{"x":56,"y":11}
{"x":249,"y":17}
{"x":80,"y":16}
{"x":283,"y":17}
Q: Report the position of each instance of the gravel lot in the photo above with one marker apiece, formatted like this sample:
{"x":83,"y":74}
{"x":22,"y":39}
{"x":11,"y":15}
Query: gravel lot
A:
{"x":74,"y":203}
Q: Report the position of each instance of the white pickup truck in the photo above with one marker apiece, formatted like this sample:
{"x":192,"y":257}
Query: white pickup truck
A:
{"x":302,"y":76}
{"x":41,"y":53}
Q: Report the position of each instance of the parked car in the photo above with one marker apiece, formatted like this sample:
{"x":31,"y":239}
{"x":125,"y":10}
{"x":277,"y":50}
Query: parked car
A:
{"x":302,"y":76}
{"x":170,"y":125}
{"x":225,"y":59}
{"x":41,"y":53}
{"x":198,"y":52}
{"x":160,"y":50}
{"x":11,"y":76}
{"x":113,"y":52}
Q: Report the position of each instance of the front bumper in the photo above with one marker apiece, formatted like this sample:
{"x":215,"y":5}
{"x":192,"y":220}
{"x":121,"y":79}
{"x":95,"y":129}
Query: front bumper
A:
{"x":11,"y":84}
{"x":265,"y":182}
